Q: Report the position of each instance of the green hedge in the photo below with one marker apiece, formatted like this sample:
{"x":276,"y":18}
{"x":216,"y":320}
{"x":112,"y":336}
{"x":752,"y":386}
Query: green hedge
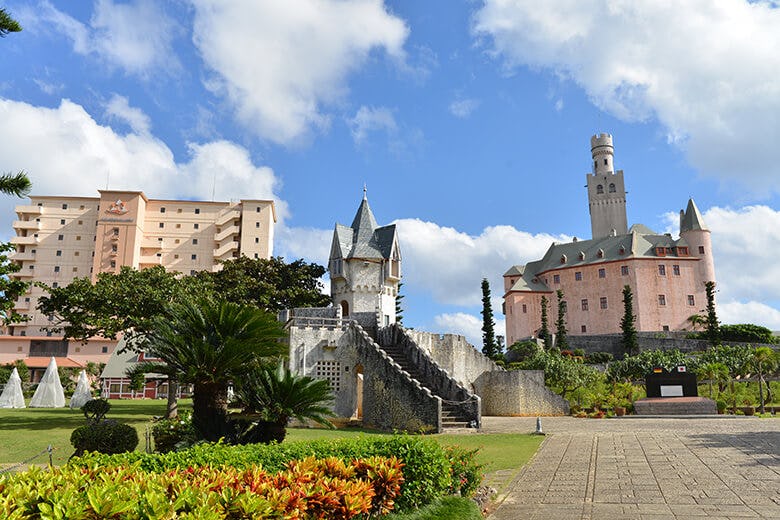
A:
{"x":430,"y":471}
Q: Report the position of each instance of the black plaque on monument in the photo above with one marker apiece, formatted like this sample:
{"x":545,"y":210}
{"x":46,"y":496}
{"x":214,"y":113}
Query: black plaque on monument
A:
{"x":675,"y":383}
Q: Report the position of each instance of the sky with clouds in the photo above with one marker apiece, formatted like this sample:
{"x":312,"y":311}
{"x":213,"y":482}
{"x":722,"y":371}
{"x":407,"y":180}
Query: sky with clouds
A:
{"x":468,"y":121}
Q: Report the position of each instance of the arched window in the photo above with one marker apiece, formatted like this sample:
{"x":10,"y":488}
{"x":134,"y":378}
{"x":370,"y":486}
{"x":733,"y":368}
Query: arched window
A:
{"x":599,"y":189}
{"x":612,"y":187}
{"x":344,"y":308}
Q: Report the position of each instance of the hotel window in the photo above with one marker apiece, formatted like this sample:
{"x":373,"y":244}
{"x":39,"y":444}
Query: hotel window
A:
{"x":176,"y":241}
{"x":602,"y":273}
{"x":195,"y":241}
{"x":113,"y":248}
{"x":75,"y":269}
{"x":104,"y":349}
{"x":55,"y":285}
{"x":196,"y":226}
{"x":60,"y":237}
{"x":62,"y":222}
{"x":81,"y":207}
{"x":194,"y":257}
{"x":78,"y":237}
{"x":162,"y":210}
{"x":197,"y":211}
{"x":257,"y":209}
{"x":662,"y":270}
{"x":113,"y":263}
{"x":161,"y":225}
{"x":64,"y":206}
{"x":256,"y":255}
{"x":58,"y":253}
{"x":178,"y":210}
{"x":192,"y":271}
{"x":257,"y":224}
{"x":584,"y":304}
{"x":56,"y":269}
{"x":257,"y":240}
{"x":578,"y":276}
{"x":175,"y":257}
{"x":556,"y":278}
{"x":701,"y":250}
{"x":676,"y":270}
{"x":32,"y":267}
{"x":178,"y":226}
{"x":603,"y":302}
{"x":691,"y":300}
{"x":661,"y":299}
{"x":525,"y":309}
{"x":81,"y":222}
{"x":584,"y":329}
{"x":76,"y":253}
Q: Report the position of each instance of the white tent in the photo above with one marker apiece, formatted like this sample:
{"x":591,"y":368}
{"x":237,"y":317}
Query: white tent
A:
{"x":82,"y":394}
{"x":12,"y":396}
{"x":49,"y":393}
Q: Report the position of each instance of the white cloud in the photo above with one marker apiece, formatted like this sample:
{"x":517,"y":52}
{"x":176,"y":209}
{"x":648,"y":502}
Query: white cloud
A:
{"x":467,"y":325}
{"x":281,"y":63}
{"x":706,"y":70}
{"x":309,"y":243}
{"x":450,"y":264}
{"x":371,"y":119}
{"x":750,"y":312}
{"x":118,"y":107}
{"x":559,"y":105}
{"x":463,"y":108}
{"x":135,"y":36}
{"x":66,"y":151}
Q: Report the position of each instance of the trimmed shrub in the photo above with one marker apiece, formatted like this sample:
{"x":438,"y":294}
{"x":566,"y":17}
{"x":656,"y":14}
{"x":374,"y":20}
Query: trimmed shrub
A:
{"x":104,"y":437}
{"x":428,"y":467}
{"x":599,"y":358}
{"x":174,"y":434}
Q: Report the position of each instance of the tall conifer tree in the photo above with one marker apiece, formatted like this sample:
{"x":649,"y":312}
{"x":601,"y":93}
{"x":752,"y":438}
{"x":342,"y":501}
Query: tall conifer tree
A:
{"x":627,"y":324}
{"x":489,"y":347}
{"x":561,"y":342}
{"x":713,"y":325}
{"x":544,"y":331}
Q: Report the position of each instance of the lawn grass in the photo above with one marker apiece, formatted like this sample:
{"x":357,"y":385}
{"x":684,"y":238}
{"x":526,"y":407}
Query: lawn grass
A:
{"x":27,"y":432}
{"x":447,"y":508}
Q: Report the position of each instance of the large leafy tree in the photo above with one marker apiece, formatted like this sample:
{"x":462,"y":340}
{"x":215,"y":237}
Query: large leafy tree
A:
{"x":713,"y":372}
{"x":209,"y":344}
{"x":489,"y":347}
{"x":628,"y":323}
{"x":8,"y":24}
{"x":764,"y":360}
{"x":125,"y":302}
{"x":269,"y":284}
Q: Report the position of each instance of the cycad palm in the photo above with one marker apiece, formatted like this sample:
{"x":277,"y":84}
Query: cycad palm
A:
{"x":713,"y":372}
{"x":210,"y":344}
{"x":15,"y":184}
{"x":276,"y":394}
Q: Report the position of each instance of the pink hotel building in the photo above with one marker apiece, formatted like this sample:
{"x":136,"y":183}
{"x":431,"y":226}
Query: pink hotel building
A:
{"x":666,"y":275}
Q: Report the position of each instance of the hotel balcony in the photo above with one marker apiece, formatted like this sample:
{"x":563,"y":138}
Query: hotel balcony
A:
{"x":149,"y":260}
{"x":24,"y":273}
{"x":228,"y":247}
{"x":151,"y":243}
{"x":28,"y":210}
{"x":227,"y":215}
{"x":226,"y":232}
{"x":24,"y":241}
{"x":21,"y":306}
{"x":26,"y":224}
{"x":19,"y":257}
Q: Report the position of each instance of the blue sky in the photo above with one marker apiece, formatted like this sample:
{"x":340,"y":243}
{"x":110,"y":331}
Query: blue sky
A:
{"x":468,"y":121}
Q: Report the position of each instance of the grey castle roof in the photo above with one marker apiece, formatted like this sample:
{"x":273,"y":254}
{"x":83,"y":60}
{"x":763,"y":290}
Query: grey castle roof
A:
{"x":639,"y":242}
{"x":364,"y":238}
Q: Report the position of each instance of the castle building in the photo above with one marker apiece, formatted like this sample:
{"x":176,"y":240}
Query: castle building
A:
{"x":61,"y":238}
{"x":666,"y":275}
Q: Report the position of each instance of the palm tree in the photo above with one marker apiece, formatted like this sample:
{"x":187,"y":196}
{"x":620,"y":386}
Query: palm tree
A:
{"x":210,"y":344}
{"x":17,"y":184}
{"x":696,"y":320}
{"x":764,"y":359}
{"x":276,"y":395}
{"x":713,"y":372}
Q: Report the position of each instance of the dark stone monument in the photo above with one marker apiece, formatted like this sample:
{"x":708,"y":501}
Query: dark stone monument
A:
{"x":677,"y":382}
{"x":673,"y":392}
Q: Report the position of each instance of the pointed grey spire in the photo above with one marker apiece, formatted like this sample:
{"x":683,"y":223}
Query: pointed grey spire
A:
{"x":364,"y":223}
{"x":692,"y":220}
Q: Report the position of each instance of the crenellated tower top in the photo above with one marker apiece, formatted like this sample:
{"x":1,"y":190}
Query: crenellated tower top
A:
{"x":603,"y":154}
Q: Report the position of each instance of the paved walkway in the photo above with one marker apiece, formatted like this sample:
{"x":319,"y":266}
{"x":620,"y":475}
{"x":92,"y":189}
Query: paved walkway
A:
{"x":645,"y":469}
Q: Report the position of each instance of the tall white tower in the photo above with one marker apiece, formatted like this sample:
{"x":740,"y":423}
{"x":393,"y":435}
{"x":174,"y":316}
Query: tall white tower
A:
{"x":606,"y":190}
{"x":365,"y":269}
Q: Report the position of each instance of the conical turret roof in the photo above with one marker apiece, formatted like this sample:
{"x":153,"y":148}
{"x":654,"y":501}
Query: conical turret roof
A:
{"x":692,"y":220}
{"x":364,"y":238}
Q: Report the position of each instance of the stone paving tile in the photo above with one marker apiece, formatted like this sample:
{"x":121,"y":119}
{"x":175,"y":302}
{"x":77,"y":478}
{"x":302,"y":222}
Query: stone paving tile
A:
{"x":646,"y":469}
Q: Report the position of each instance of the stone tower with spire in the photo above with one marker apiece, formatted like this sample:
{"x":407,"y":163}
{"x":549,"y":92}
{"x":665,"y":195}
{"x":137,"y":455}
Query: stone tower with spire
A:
{"x":606,"y":191}
{"x":697,"y":235}
{"x":365,"y":269}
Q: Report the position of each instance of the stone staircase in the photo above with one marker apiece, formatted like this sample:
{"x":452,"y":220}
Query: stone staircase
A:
{"x":453,"y":412}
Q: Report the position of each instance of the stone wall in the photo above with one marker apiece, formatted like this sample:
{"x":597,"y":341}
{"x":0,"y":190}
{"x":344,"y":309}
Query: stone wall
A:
{"x":453,"y":353}
{"x":518,"y":392}
{"x":612,"y":343}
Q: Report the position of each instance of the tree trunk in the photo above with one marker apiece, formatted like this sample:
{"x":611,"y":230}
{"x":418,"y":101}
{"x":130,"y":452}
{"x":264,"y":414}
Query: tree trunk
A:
{"x":761,"y":390}
{"x":172,"y":408}
{"x":209,"y":410}
{"x":769,"y":396}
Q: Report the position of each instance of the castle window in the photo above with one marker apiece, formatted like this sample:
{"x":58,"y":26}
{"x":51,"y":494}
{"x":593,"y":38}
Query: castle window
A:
{"x":330,"y":371}
{"x":115,"y":231}
{"x":595,"y":164}
{"x":525,"y":309}
{"x":582,"y":255}
{"x":578,"y":276}
{"x":599,"y":189}
{"x":701,"y":250}
{"x":661,"y":300}
{"x":565,"y":306}
{"x":584,"y":329}
{"x":622,"y":250}
{"x":624,"y":270}
{"x":612,"y":187}
{"x":563,"y":259}
{"x":603,"y":302}
{"x":113,"y":263}
{"x":584,"y":304}
{"x":556,"y":278}
{"x":661,"y":270}
{"x":676,"y":270}
{"x":605,"y":162}
{"x":660,"y":251}
{"x":682,"y":251}
{"x":691,"y":300}
{"x":602,"y":273}
{"x":601,"y":253}
{"x":665,"y":328}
